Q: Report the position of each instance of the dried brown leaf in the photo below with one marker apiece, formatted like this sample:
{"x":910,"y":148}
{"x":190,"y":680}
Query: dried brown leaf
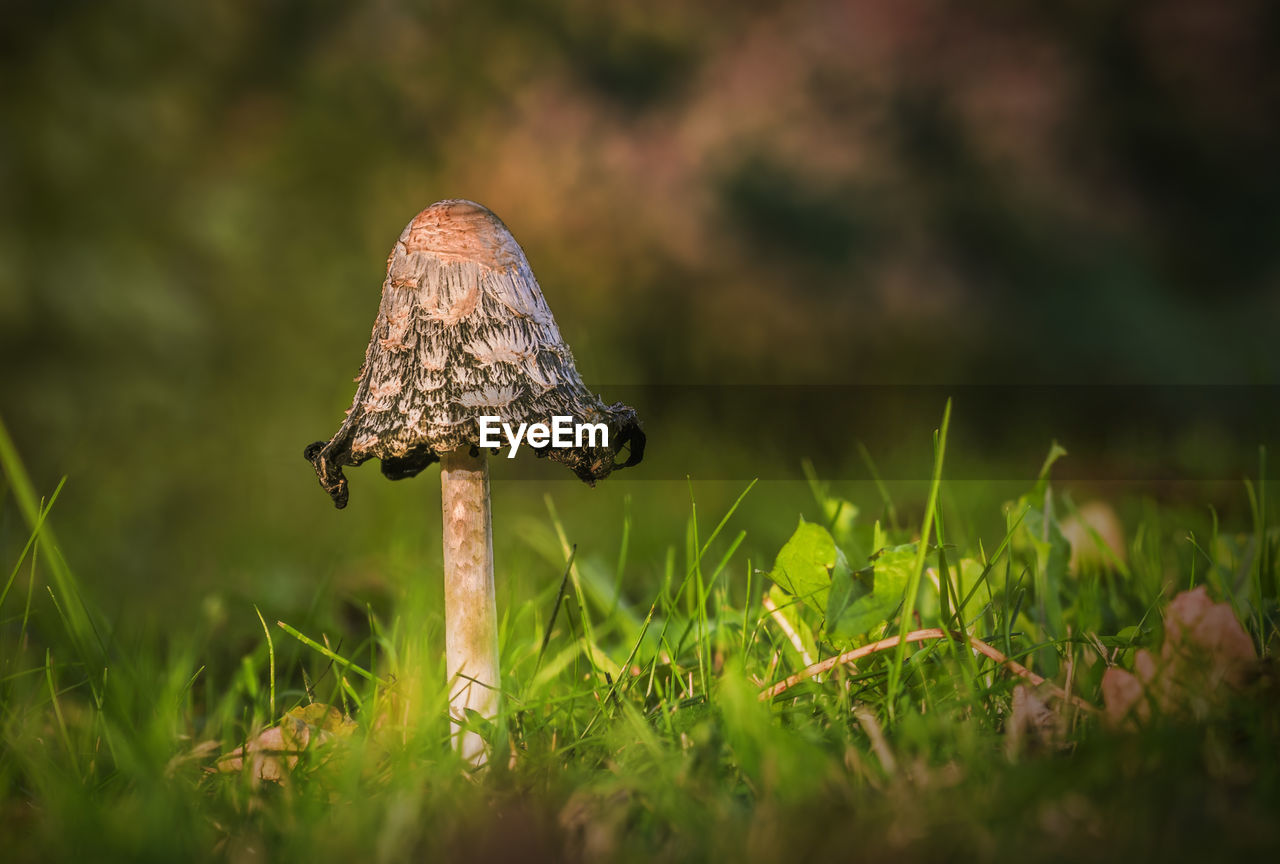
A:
{"x":275,"y":751}
{"x":1033,"y":725}
{"x":1197,"y":629}
{"x":1124,"y":696}
{"x":1206,"y":654}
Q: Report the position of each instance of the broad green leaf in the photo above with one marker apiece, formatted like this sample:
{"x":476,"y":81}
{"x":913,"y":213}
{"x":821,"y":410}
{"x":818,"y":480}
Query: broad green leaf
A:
{"x":1040,"y":531}
{"x":875,"y":593}
{"x":1128,"y":635}
{"x":1040,"y":535}
{"x":848,"y":587}
{"x":1053,"y":554}
{"x":806,"y":563}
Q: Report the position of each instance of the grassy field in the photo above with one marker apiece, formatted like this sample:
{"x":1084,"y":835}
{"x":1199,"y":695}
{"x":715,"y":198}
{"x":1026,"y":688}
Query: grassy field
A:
{"x":677,"y":721}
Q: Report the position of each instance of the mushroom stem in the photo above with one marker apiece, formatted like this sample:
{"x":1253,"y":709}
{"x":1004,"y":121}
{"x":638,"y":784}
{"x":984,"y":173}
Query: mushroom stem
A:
{"x":470,"y":611}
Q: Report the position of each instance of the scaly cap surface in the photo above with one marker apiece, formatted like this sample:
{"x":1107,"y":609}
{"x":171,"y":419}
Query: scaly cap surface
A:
{"x":463,"y":331}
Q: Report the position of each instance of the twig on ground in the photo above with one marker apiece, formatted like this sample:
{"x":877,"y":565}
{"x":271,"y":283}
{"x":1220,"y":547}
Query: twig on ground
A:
{"x":928,"y":633}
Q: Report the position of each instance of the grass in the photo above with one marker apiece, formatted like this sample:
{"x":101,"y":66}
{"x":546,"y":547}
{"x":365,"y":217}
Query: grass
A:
{"x":634,"y":728}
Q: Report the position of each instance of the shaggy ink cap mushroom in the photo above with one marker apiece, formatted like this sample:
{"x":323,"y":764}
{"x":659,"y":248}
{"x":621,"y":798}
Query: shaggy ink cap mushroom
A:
{"x":463,"y":332}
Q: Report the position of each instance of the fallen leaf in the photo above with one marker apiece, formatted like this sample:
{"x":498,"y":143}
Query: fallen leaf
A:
{"x":1205,"y":655}
{"x":275,"y":751}
{"x":1032,"y":725}
{"x":1123,"y":695}
{"x":1198,"y":629}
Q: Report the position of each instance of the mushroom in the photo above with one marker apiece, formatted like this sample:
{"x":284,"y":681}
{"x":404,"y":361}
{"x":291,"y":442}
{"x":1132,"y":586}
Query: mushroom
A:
{"x":463,"y":333}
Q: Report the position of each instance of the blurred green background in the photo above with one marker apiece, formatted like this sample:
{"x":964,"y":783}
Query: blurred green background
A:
{"x":198,"y":201}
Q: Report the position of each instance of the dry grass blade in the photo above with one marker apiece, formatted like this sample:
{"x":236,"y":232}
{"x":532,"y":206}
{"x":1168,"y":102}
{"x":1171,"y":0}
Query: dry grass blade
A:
{"x":875,"y":734}
{"x":785,"y":626}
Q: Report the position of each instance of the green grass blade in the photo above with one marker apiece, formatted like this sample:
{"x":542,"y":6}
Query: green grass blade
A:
{"x":623,"y":548}
{"x":31,"y":540}
{"x":63,"y":734}
{"x":84,"y":634}
{"x":555,"y":610}
{"x":913,"y":585}
{"x":335,"y":657}
{"x":271,"y":662}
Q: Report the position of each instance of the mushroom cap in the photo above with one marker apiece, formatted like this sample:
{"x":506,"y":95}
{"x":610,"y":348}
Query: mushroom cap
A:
{"x":464,"y":332}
